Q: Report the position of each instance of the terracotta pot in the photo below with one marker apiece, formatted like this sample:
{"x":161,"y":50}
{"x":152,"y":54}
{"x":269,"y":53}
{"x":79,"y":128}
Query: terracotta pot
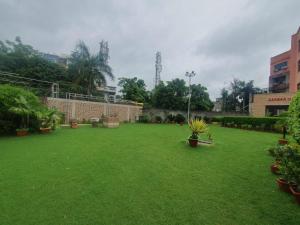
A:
{"x":283,"y":185}
{"x":295,"y":193}
{"x":21,"y":133}
{"x":74,"y":125}
{"x":275,"y":168}
{"x":282,"y":141}
{"x":193,"y":142}
{"x":45,"y":130}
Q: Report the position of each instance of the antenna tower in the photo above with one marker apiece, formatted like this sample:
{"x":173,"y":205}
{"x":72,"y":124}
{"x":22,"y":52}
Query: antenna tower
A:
{"x":158,"y":68}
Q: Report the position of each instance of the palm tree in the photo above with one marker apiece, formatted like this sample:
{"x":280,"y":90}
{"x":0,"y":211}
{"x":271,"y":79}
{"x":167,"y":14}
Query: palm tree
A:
{"x":87,"y":70}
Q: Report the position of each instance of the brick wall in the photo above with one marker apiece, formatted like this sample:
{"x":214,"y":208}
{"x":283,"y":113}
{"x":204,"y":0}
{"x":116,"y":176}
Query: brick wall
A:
{"x":84,"y":110}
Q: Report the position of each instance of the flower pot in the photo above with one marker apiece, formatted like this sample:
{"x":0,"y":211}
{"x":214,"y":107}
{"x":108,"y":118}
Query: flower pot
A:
{"x":181,"y":123}
{"x":45,"y":130}
{"x":284,"y":185}
{"x":22,"y":132}
{"x":193,"y":142}
{"x":282,"y":141}
{"x":94,"y":124}
{"x":296,"y":194}
{"x":275,"y":169}
{"x":74,"y":125}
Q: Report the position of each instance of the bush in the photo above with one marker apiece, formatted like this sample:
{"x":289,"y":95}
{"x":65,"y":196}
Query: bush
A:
{"x":10,"y":107}
{"x":260,"y":123}
{"x":294,"y":118}
{"x":158,"y":119}
{"x":170,"y":118}
{"x":144,"y":119}
{"x":179,"y":118}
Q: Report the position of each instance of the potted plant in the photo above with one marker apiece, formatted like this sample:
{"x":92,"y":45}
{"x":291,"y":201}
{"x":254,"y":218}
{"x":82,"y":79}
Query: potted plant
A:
{"x":24,"y":110}
{"x":95,"y":121}
{"x":294,"y":164}
{"x":179,"y":118}
{"x":197,"y":127}
{"x":73,"y":123}
{"x":277,"y":153}
{"x":286,"y":169}
{"x":49,"y":119}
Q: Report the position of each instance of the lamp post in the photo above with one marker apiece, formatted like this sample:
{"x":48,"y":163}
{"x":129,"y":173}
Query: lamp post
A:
{"x":189,"y":75}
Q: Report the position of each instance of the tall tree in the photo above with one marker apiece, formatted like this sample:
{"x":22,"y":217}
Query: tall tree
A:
{"x":200,"y":98}
{"x":170,"y":96}
{"x":236,"y":96}
{"x":88,"y":70}
{"x":133,"y":89}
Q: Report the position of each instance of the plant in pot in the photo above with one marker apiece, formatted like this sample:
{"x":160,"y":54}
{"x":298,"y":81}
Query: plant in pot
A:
{"x":197,"y":127}
{"x":95,"y":122}
{"x":295,"y":173}
{"x":286,"y":169}
{"x":73,"y":123}
{"x":49,"y":120}
{"x":179,"y":118}
{"x":24,"y":110}
{"x":295,"y":189}
{"x":277,"y":153}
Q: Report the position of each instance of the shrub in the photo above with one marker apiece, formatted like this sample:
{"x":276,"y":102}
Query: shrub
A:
{"x":261,"y":123}
{"x":158,"y":119}
{"x":12,"y":102}
{"x":294,"y":118}
{"x":179,"y":118}
{"x":197,"y":127}
{"x":170,"y":118}
{"x":144,"y":119}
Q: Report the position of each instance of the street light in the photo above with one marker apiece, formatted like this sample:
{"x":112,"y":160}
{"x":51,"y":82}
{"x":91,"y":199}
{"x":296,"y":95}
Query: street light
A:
{"x":189,"y":75}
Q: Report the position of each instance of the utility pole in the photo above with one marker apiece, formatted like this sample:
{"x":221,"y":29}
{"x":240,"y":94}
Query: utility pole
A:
{"x":189,"y":75}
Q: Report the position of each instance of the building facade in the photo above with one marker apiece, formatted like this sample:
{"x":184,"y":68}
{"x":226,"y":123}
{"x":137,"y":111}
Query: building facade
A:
{"x":284,"y":82}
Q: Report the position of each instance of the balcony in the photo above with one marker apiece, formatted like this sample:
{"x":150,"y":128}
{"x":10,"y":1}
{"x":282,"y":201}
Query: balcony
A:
{"x":279,"y":88}
{"x":107,"y":89}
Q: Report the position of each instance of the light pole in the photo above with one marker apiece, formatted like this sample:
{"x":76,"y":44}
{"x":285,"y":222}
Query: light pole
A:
{"x":189,"y":75}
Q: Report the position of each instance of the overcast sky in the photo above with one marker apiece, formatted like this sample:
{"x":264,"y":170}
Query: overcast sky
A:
{"x":219,"y":40}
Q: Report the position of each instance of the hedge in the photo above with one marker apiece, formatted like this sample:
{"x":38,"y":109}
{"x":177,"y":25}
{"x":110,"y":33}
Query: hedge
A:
{"x":257,"y":123}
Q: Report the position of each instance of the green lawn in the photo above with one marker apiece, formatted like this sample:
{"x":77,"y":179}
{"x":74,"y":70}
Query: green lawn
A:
{"x":140,"y":174}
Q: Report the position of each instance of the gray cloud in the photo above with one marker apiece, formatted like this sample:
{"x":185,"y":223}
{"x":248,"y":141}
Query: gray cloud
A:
{"x":218,"y":39}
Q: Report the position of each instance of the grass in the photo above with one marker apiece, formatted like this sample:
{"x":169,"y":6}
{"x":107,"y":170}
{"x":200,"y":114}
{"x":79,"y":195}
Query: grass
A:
{"x":140,"y":174}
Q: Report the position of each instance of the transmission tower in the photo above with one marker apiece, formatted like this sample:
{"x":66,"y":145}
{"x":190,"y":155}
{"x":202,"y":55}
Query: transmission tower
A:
{"x":158,"y":68}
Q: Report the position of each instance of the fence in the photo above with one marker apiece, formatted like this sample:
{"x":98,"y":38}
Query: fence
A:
{"x":85,"y":110}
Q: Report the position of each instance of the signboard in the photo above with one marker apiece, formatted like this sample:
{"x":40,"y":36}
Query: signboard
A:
{"x":279,"y":99}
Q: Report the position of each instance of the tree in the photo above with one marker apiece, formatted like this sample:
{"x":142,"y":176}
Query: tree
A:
{"x":133,"y":89}
{"x":87,"y":70}
{"x":200,"y":98}
{"x":170,"y":96}
{"x":236,"y":96}
{"x":173,"y":95}
{"x":22,"y":59}
{"x":294,"y":118}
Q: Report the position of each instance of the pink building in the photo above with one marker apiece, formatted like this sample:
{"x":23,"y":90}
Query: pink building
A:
{"x":285,"y":69}
{"x":284,"y":82}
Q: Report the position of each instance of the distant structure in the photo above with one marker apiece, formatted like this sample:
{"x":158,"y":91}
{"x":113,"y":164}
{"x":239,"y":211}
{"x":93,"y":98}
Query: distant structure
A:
{"x":158,"y":68}
{"x":284,"y":82}
{"x":61,"y":60}
{"x":104,"y":52}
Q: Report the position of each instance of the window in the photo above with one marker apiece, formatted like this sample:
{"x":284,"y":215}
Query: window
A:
{"x":280,"y":66}
{"x":299,"y":45}
{"x":299,"y":66}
